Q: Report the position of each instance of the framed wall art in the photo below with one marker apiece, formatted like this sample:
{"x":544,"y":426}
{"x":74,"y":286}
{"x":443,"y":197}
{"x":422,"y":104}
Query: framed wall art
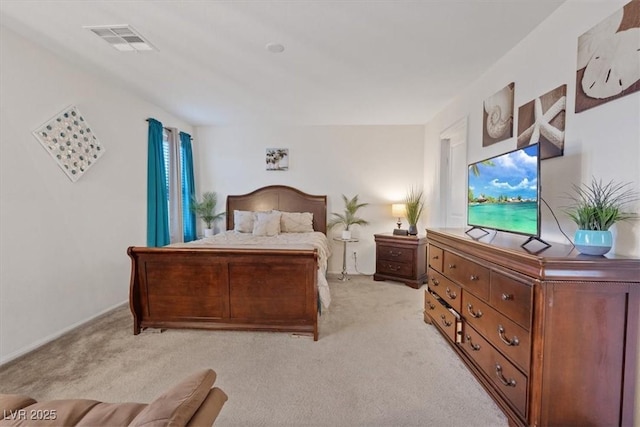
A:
{"x":497,"y":123}
{"x":277,"y":159}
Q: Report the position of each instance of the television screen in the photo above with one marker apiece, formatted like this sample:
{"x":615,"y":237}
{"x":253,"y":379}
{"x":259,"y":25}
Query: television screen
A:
{"x":504,"y":192}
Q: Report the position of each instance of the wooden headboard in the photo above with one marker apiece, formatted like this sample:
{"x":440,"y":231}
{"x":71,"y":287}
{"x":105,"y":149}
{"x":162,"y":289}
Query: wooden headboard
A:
{"x":282,"y":198}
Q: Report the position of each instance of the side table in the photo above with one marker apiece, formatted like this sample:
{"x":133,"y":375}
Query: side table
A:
{"x":344,"y":276}
{"x":401,"y":258}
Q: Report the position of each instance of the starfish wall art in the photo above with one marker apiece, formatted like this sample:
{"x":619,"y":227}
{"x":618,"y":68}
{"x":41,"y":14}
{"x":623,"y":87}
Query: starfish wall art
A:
{"x":543,"y":120}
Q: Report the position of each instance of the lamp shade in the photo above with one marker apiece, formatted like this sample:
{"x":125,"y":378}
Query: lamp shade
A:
{"x":399,"y":210}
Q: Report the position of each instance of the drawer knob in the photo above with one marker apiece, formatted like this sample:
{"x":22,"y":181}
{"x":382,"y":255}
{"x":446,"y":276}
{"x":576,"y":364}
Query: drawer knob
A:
{"x":474,"y":347}
{"x":435,"y":281}
{"x":476,"y":315}
{"x":507,"y":297}
{"x":445,"y":322}
{"x":451,"y":295}
{"x":508,"y":382}
{"x":510,"y":342}
{"x":452,"y":266}
{"x":473,"y":277}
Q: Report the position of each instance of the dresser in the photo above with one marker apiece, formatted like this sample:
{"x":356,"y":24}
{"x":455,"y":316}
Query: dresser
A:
{"x":552,"y":337}
{"x":401,"y":258}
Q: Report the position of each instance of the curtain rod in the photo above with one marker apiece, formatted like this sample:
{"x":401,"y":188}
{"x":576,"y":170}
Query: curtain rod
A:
{"x":166,"y":128}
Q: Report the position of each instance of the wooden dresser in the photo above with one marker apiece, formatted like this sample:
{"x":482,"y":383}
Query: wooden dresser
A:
{"x":552,"y":337}
{"x":401,"y":258}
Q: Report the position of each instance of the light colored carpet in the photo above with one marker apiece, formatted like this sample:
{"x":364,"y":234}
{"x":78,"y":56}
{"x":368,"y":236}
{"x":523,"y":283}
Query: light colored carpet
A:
{"x":376,"y":364}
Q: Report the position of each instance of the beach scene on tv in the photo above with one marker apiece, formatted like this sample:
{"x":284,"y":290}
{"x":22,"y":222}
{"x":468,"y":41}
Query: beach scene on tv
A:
{"x":503,"y":192}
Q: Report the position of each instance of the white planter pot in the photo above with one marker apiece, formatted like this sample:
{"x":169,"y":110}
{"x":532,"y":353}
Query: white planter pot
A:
{"x":346,"y":234}
{"x":208,"y":232}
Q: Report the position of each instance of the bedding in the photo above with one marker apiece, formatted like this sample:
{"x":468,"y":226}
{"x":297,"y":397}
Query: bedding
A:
{"x":315,"y":239}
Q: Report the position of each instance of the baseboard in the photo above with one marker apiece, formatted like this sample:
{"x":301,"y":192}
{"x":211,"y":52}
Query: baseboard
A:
{"x":48,"y":339}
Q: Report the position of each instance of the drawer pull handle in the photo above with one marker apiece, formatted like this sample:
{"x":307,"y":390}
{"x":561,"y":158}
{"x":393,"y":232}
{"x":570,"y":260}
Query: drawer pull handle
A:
{"x":510,"y":342}
{"x":451,"y":295}
{"x":444,"y":321}
{"x":393,"y":268}
{"x":452,"y":266}
{"x":476,"y":315}
{"x":435,"y":281}
{"x":395,"y":253}
{"x":431,"y":306}
{"x":473,"y":277}
{"x":474,"y":347}
{"x":435,"y":257}
{"x":507,"y":297}
{"x":508,"y":382}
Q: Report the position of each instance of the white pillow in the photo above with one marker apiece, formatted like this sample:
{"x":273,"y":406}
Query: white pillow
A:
{"x":266,"y":223}
{"x":296,"y":222}
{"x":243,"y":221}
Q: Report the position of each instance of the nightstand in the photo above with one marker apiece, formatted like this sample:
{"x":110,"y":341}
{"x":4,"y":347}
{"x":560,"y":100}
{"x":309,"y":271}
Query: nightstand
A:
{"x":401,"y":258}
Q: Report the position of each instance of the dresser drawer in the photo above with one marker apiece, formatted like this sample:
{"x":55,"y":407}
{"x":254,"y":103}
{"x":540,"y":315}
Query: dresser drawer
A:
{"x":394,"y":268}
{"x":511,"y":298}
{"x":507,"y":336}
{"x":468,"y":274}
{"x":508,"y":379}
{"x":446,"y":289}
{"x":436,"y":257}
{"x":446,"y":321}
{"x":395,"y":253}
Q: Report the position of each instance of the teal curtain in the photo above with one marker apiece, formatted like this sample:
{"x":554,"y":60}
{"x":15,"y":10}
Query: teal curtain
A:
{"x":157,"y":193}
{"x":188,"y":188}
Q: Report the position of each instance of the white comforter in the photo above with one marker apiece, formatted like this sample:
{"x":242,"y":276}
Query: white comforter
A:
{"x":316,"y":239}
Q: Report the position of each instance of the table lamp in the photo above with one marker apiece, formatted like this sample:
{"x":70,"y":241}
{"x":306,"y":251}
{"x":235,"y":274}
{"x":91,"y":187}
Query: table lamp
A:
{"x":399,"y":210}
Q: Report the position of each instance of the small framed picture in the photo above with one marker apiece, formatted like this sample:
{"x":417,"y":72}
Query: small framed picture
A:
{"x":277,"y":159}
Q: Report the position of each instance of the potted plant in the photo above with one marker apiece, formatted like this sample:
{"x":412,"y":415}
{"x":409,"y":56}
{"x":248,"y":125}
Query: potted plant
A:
{"x":414,"y":206}
{"x":349,"y":217}
{"x":206,"y":211}
{"x":596,"y":207}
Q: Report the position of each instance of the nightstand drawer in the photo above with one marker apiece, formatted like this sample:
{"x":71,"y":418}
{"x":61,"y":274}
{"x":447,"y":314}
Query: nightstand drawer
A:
{"x":394,"y":268}
{"x":395,"y":253}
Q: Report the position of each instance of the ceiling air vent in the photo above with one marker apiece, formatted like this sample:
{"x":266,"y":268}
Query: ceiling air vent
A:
{"x":122,"y":37}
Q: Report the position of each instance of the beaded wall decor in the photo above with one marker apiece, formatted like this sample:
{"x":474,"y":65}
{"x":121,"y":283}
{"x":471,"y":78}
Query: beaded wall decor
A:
{"x":70,"y":141}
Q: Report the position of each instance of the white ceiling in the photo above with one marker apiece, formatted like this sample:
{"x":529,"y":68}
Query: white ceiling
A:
{"x":345,"y":62}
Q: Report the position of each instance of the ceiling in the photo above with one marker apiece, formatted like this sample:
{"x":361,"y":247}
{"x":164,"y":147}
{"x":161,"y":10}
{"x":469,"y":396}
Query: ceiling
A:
{"x":345,"y":62}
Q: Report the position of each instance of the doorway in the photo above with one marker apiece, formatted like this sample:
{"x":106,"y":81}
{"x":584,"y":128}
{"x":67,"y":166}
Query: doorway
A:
{"x":453,"y":175}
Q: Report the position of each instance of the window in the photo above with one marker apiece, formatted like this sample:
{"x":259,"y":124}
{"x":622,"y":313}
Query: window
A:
{"x":173,"y":163}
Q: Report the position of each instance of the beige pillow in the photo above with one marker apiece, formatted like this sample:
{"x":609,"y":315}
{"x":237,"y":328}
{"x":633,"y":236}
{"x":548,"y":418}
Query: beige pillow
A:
{"x":296,"y":222}
{"x":243,"y":221}
{"x":266,"y":223}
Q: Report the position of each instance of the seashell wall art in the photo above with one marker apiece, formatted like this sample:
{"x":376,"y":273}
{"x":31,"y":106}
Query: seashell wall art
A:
{"x":70,"y":141}
{"x":609,"y":59}
{"x":498,"y":116}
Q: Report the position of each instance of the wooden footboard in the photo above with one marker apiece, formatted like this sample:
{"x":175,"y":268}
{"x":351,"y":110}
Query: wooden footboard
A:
{"x":221,"y":288}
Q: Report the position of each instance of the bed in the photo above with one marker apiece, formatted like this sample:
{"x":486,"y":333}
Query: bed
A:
{"x":236,"y":280}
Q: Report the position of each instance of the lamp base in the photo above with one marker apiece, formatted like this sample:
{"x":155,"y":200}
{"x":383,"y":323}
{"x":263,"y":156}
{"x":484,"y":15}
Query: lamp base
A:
{"x":400,"y":232}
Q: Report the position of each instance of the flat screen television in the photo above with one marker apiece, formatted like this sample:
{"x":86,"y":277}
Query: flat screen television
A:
{"x":504,"y":193}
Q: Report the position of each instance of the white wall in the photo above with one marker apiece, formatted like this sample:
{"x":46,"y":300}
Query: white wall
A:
{"x":602,"y":142}
{"x":63,"y":245}
{"x":379,"y":163}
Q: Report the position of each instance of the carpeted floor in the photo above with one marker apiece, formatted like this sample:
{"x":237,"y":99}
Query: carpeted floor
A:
{"x":376,"y":364}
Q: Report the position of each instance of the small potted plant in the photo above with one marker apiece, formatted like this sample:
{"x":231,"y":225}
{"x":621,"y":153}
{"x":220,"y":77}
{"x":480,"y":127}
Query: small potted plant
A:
{"x":206,"y":211}
{"x":596,"y":207}
{"x":414,"y":206}
{"x":349,"y":217}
